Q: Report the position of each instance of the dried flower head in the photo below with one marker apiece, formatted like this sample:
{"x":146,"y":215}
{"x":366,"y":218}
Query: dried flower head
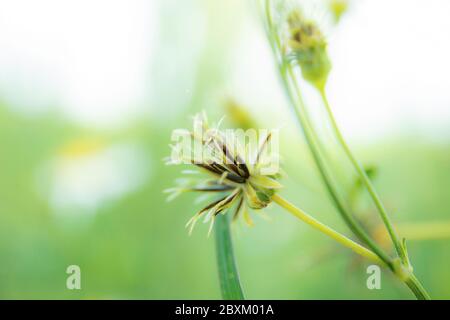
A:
{"x":306,"y":45}
{"x":236,"y":174}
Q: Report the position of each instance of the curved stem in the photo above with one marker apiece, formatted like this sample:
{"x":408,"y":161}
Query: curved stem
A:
{"x":411,"y":281}
{"x":353,"y":224}
{"x":287,"y":75}
{"x":362,"y":251}
{"x":364,"y":178}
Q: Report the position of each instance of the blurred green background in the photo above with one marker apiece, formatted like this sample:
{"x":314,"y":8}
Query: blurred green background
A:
{"x":76,"y":193}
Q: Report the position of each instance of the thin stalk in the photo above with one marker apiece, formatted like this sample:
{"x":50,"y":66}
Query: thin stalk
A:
{"x":364,"y":178}
{"x":416,"y":287}
{"x":288,"y":75}
{"x":228,"y":274}
{"x":330,"y":185}
{"x":412,"y":282}
{"x":362,"y":251}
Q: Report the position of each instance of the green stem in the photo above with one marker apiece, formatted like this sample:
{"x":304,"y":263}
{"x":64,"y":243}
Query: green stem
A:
{"x":411,"y":281}
{"x":364,"y":178}
{"x":288,"y":75}
{"x":416,"y":287}
{"x":326,"y":230}
{"x":330,"y":185}
{"x":228,"y":274}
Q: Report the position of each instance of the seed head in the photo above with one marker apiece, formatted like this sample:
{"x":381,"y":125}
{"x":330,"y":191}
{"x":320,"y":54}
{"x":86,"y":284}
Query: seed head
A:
{"x":228,"y":171}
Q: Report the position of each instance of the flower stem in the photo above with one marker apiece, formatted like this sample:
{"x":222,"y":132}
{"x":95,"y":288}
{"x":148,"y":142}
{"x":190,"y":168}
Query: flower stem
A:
{"x":292,"y":89}
{"x":330,"y":185}
{"x":364,"y":178}
{"x":228,"y":273}
{"x":291,"y":85}
{"x":327,"y":230}
{"x":411,"y":281}
{"x":416,"y":287}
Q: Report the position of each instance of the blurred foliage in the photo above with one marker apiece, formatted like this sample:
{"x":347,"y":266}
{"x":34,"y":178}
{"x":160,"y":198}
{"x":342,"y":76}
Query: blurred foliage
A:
{"x":135,"y":246}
